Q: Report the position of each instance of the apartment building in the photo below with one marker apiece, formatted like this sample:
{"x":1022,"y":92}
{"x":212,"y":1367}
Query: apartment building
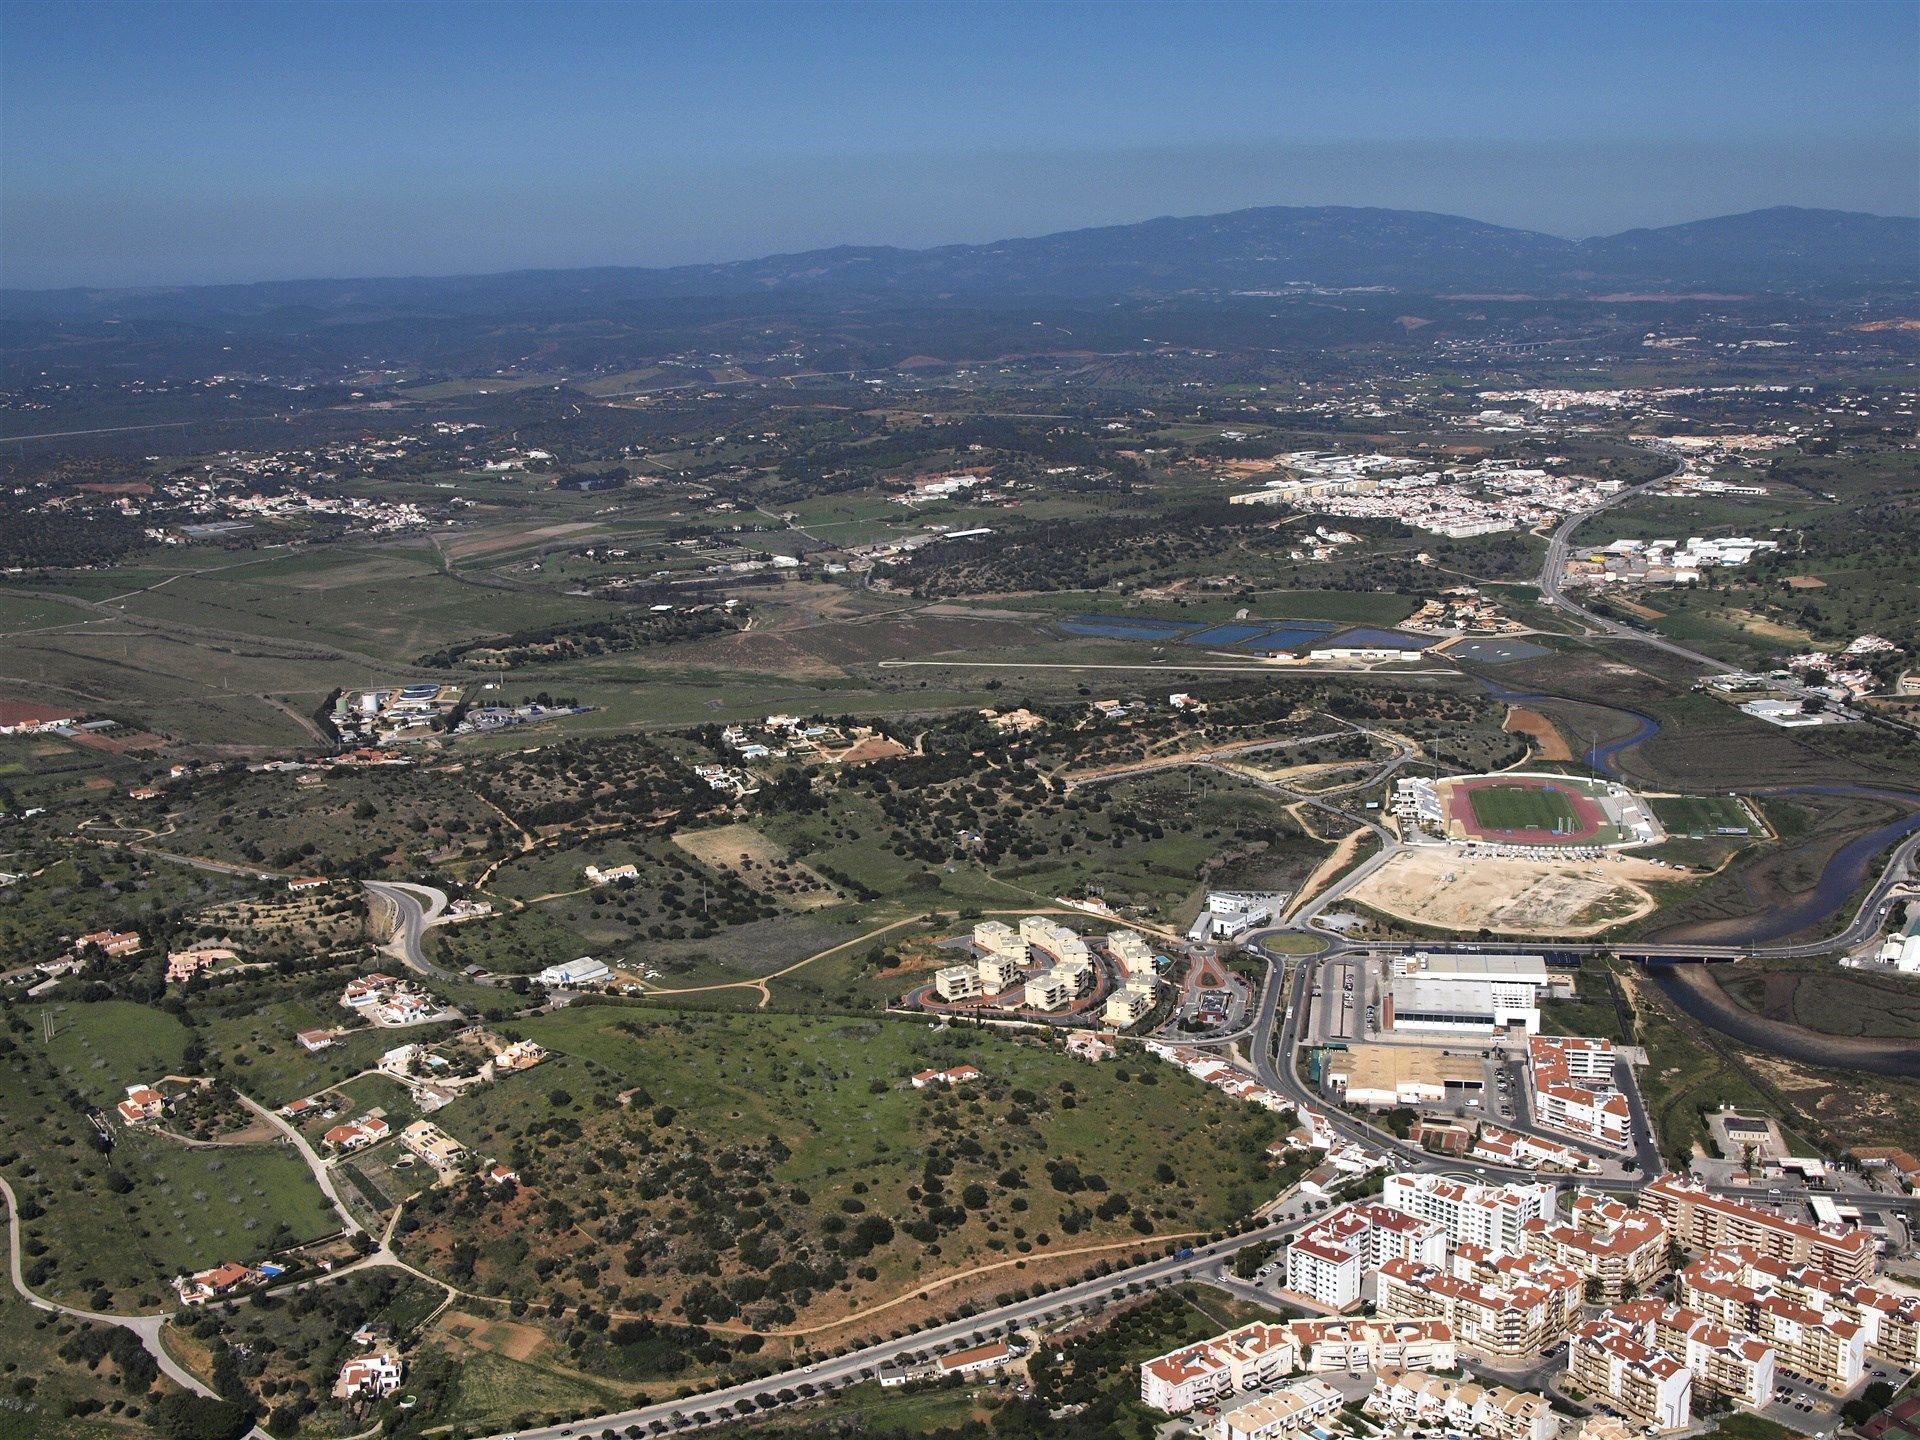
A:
{"x":957,"y":982}
{"x":1506,"y":1307}
{"x":1260,"y":1354}
{"x":1620,"y":1252}
{"x":1700,"y":1220}
{"x":1058,"y":941}
{"x":1572,"y":1084}
{"x":1292,"y":1410}
{"x":1050,"y":990}
{"x":1648,"y":1386}
{"x":1734,"y":1363}
{"x":994,"y":938}
{"x":1129,"y":1004}
{"x":1493,"y":1217}
{"x":1889,"y":1320}
{"x":999,"y":972}
{"x":1821,"y":1346}
{"x":1131,"y":953}
{"x":1353,"y":1347}
{"x":1328,"y":1262}
{"x":1185,"y":1379}
{"x":1405,"y":1399}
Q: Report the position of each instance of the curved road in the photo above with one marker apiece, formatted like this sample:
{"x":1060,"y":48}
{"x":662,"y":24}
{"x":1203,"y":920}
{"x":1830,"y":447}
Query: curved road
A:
{"x":147,"y":1327}
{"x":1561,"y":541}
{"x":411,"y":918}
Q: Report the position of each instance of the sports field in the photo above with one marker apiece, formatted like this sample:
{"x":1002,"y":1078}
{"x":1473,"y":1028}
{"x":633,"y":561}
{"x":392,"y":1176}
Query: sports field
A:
{"x":1526,"y":810}
{"x":1700,"y":815}
{"x":1523,"y":807}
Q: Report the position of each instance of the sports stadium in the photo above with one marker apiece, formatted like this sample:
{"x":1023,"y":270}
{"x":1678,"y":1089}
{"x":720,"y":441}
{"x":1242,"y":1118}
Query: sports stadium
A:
{"x":1537,"y":811}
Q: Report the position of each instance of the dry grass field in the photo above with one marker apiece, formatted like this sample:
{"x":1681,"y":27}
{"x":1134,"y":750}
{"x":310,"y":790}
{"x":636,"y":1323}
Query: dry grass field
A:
{"x":760,"y":862}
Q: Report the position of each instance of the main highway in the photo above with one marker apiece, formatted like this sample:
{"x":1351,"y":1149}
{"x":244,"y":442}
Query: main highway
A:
{"x":1553,"y":568}
{"x":718,"y":1407}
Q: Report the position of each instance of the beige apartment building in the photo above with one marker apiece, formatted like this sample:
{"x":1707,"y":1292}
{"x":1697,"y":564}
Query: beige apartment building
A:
{"x":1621,"y":1252}
{"x":1700,"y":1220}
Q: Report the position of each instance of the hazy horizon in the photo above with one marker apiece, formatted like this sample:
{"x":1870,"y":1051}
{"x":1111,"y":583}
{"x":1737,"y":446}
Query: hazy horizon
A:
{"x":180,"y":144}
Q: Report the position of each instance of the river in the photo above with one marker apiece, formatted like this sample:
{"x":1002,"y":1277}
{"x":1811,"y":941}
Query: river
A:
{"x":1696,"y":992}
{"x":1848,"y":870}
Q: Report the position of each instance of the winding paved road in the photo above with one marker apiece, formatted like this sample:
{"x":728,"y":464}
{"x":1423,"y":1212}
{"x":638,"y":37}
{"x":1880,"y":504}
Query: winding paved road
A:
{"x":410,"y":921}
{"x":147,"y":1327}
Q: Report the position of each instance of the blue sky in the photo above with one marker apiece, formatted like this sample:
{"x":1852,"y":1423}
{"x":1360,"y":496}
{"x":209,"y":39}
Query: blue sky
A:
{"x":160,"y":143}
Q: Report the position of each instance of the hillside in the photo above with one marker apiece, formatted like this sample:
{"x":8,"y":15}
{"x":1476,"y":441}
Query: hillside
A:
{"x":1776,"y":250}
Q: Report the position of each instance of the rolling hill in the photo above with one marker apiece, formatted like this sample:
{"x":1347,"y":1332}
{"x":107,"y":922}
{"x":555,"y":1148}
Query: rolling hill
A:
{"x":1782,"y":250}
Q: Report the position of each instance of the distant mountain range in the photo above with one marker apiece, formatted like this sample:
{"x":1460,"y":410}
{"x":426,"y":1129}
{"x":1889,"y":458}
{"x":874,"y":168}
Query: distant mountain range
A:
{"x":1781,"y":250}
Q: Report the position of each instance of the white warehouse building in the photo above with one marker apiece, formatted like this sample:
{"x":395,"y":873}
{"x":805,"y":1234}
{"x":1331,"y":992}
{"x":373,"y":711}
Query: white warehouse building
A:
{"x":1478,"y":995}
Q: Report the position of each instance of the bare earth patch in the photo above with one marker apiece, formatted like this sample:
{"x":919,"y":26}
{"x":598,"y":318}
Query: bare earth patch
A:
{"x":1442,"y":888}
{"x":1548,"y":743}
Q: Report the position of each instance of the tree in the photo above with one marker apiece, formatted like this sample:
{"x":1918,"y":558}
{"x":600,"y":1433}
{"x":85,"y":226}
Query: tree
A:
{"x":191,"y":1417}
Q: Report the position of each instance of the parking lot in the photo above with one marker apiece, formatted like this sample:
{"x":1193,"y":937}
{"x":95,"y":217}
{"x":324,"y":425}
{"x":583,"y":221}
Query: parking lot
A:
{"x":1345,"y":1001}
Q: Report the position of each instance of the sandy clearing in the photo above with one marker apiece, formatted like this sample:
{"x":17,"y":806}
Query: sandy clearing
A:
{"x":1335,"y":862}
{"x":1547,"y":741}
{"x":1440,"y":887}
{"x":485,"y":542}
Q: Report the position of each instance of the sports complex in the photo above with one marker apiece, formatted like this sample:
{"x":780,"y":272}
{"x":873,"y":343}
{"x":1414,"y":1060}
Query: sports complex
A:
{"x":1531,"y":810}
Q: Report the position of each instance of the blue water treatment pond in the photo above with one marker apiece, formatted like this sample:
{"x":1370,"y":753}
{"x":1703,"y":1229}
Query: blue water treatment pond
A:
{"x":1385,"y":639}
{"x":1289,"y":637}
{"x":1221,"y":635}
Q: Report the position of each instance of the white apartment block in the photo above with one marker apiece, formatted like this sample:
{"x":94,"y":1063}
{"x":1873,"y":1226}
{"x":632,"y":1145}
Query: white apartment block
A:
{"x":1131,"y":953}
{"x":1734,"y":1363}
{"x":1623,"y":1251}
{"x":998,"y":973}
{"x":1183,"y":1380}
{"x":1700,"y":1220}
{"x":1648,"y":1386}
{"x":1260,"y":1354}
{"x":1493,"y":1217}
{"x":1507,"y":1307}
{"x":1327,"y":1262}
{"x":1050,"y":990}
{"x":1291,"y":1410}
{"x":994,"y":937}
{"x":1823,"y":1347}
{"x":1129,"y":1004}
{"x":957,"y":982}
{"x":1056,"y":939}
{"x":1889,"y":1320}
{"x":1353,"y":1347}
{"x":1572,"y":1084}
{"x":1409,"y":1399}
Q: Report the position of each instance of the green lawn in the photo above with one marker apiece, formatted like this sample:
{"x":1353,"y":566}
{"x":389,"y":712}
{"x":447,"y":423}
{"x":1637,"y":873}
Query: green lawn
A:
{"x":173,"y":1208}
{"x":818,"y":1112}
{"x":1700,"y":815}
{"x":1522,"y":807}
{"x":102,"y":1048}
{"x":40,"y":1385}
